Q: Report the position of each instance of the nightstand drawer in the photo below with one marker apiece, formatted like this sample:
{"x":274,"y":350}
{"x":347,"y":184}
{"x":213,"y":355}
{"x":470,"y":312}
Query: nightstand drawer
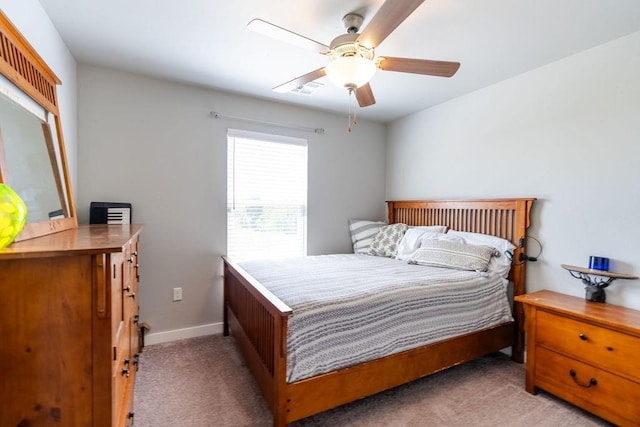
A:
{"x":593,"y":389}
{"x":611,"y":350}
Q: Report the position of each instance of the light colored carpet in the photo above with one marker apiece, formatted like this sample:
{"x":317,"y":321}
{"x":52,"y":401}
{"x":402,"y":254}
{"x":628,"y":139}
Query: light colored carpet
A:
{"x":203,"y":382}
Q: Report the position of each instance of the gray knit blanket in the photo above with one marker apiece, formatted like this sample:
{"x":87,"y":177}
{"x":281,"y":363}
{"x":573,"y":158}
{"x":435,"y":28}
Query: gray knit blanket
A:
{"x":350,"y":308}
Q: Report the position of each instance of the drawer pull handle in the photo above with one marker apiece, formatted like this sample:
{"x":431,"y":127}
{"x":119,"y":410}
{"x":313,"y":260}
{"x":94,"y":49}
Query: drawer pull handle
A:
{"x":125,"y":372}
{"x":592,"y":381}
{"x":583,"y":337}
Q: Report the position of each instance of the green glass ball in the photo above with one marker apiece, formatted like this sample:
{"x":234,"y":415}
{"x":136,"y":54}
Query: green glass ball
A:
{"x":13,"y":215}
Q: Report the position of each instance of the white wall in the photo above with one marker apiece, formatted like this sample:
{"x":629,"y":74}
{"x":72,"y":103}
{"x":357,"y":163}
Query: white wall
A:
{"x":567,"y":133}
{"x":34,"y":24}
{"x":153,"y":143}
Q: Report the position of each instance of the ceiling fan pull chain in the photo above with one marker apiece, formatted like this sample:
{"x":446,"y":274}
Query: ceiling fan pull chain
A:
{"x":349,"y":101}
{"x":355,"y":114}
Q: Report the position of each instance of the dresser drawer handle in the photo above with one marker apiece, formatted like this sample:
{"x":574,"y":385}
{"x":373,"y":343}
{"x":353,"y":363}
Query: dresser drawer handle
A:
{"x":583,"y":337}
{"x":592,"y":381}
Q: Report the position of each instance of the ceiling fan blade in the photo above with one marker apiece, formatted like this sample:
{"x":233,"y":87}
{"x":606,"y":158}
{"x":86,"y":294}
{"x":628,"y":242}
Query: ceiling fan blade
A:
{"x":364,"y":95}
{"x":419,"y":66}
{"x":389,"y":16}
{"x":299,"y":81}
{"x":271,"y":30}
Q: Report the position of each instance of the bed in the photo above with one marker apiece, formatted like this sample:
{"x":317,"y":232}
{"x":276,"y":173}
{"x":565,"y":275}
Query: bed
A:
{"x":259,"y":321}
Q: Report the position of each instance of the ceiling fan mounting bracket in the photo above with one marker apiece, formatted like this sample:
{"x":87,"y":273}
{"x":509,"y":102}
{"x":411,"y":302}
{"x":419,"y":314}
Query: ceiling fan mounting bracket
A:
{"x":352,"y":22}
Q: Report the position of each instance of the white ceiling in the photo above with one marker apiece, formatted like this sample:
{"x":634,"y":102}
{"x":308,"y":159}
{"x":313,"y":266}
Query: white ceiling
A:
{"x":207,"y":43}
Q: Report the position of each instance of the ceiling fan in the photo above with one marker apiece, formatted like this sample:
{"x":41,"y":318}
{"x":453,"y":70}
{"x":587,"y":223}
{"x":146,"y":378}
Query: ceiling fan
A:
{"x":352,"y":55}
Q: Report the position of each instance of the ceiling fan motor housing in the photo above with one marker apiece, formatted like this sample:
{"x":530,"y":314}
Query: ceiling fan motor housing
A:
{"x":346,"y":45}
{"x":352,"y":64}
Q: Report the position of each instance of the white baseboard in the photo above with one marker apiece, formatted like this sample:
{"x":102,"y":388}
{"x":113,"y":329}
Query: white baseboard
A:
{"x":180,"y":334}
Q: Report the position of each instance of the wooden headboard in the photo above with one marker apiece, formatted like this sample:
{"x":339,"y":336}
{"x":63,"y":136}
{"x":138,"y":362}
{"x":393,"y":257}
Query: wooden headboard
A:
{"x":506,"y":218}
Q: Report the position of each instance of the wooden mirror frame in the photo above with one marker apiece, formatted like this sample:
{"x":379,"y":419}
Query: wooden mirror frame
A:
{"x":22,"y":66}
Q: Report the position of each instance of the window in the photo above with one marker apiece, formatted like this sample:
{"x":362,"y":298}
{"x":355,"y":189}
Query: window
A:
{"x":266,"y":195}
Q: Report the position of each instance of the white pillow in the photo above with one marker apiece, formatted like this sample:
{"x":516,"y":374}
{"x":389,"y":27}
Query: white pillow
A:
{"x":411,"y":242}
{"x":362,"y":233}
{"x":443,"y":237}
{"x":432,"y":228}
{"x":500,"y":264}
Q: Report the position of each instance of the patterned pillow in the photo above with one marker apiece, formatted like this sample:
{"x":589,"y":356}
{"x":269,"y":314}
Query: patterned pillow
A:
{"x":448,"y":254}
{"x":362,"y":233}
{"x":385,"y":243}
{"x":501,"y":264}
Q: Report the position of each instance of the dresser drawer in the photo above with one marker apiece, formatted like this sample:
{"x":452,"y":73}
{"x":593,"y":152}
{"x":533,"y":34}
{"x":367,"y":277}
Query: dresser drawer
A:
{"x":611,"y":350}
{"x":121,"y":376}
{"x":611,"y":397}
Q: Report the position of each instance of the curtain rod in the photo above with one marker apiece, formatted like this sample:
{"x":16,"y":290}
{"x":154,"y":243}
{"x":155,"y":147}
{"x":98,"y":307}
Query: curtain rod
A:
{"x":217,"y":115}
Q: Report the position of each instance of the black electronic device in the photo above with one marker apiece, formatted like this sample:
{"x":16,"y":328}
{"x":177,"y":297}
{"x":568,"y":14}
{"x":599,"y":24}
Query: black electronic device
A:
{"x":110,"y":213}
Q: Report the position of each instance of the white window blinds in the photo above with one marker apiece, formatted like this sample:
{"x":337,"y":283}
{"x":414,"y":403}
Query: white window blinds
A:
{"x":266,"y":195}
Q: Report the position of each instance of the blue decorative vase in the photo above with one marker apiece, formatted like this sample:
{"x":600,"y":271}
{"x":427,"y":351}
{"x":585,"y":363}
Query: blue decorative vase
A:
{"x":13,"y":215}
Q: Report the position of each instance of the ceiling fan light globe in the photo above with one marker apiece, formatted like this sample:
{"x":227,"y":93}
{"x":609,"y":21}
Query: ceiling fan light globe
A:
{"x":350,"y":72}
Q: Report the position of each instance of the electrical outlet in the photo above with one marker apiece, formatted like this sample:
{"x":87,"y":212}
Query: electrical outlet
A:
{"x":177,"y":294}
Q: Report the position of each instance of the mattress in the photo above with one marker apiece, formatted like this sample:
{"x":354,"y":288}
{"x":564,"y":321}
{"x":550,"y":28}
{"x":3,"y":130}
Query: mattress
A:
{"x":352,"y":308}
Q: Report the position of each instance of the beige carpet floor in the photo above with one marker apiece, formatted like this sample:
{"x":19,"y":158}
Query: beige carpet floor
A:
{"x":203,"y":382}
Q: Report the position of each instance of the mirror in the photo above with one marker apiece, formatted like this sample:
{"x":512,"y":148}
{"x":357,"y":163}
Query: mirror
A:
{"x":32,"y":155}
{"x":26,"y":142}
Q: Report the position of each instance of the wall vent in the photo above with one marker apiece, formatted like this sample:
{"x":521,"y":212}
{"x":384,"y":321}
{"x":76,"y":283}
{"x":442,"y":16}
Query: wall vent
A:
{"x":307,"y":89}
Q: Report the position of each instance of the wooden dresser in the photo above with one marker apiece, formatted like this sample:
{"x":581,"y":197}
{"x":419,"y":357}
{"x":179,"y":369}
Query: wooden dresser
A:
{"x":68,"y":325}
{"x":587,"y":353}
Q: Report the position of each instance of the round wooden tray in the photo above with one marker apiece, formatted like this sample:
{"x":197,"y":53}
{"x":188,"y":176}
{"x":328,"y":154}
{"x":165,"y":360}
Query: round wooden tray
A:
{"x":604,"y":273}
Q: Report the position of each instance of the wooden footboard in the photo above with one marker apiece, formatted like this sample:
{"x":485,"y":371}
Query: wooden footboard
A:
{"x":258,"y":320}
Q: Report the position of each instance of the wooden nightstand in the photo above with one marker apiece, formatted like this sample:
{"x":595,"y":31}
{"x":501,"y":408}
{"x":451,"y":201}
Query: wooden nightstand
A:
{"x":585,"y":353}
